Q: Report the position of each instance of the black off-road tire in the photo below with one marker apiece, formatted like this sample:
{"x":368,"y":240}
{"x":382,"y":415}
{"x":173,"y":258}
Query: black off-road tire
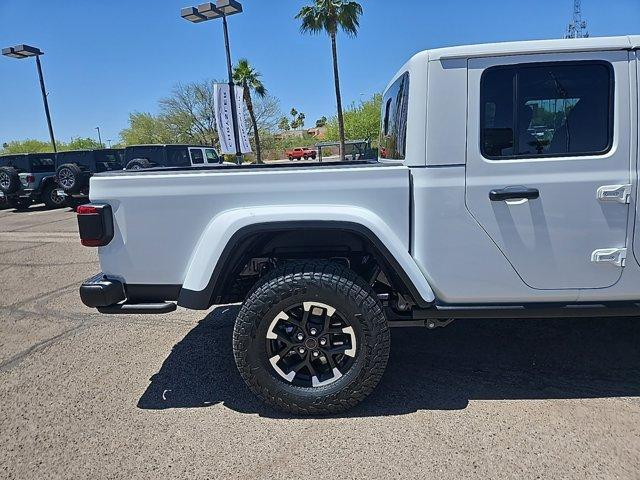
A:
{"x":49,"y":197}
{"x":139,"y":164}
{"x":9,"y":180}
{"x":71,"y":178}
{"x":318,"y":281}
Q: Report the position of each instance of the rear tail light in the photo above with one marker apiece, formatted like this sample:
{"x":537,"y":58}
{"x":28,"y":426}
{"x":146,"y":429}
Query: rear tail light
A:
{"x":31,"y":179}
{"x":95,"y":223}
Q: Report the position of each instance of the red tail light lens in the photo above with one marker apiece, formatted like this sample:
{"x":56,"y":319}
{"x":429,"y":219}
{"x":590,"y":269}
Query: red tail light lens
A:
{"x":31,"y":179}
{"x":95,"y":224}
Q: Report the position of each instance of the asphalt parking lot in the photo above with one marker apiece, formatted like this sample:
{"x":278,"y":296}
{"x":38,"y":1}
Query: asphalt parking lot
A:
{"x":89,"y":396}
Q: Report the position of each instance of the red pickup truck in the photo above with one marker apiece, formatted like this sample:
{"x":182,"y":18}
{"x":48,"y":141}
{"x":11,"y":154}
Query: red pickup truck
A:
{"x":298,"y":153}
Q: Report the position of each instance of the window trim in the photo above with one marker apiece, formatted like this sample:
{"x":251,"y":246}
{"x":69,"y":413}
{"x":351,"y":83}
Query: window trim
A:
{"x":518,"y":66}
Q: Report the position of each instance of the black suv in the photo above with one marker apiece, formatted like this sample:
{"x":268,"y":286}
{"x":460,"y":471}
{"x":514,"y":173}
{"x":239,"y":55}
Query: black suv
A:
{"x":29,"y":178}
{"x":138,"y":157}
{"x":74,"y":169}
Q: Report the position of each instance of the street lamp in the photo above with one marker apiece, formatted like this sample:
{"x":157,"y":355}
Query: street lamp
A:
{"x":209,"y":11}
{"x":26,"y":51}
{"x":99,"y":137}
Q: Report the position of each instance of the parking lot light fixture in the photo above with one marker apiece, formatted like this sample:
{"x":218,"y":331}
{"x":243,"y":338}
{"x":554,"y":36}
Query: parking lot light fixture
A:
{"x":10,"y":52}
{"x":191,"y":14}
{"x":229,"y":7}
{"x":209,"y":11}
{"x":26,"y":51}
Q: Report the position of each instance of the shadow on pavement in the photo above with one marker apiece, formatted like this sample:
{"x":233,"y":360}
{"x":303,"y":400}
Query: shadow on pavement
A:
{"x":430,"y":370}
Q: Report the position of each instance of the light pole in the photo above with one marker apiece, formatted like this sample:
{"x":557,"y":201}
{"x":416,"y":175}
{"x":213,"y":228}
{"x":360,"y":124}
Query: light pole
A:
{"x":25,"y":51}
{"x":99,"y":137}
{"x":209,"y":11}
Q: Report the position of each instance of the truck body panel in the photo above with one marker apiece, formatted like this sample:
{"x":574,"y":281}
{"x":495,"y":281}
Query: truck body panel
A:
{"x":162,"y":218}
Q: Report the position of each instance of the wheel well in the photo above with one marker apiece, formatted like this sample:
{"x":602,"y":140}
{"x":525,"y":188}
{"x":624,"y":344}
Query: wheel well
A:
{"x":258,"y":252}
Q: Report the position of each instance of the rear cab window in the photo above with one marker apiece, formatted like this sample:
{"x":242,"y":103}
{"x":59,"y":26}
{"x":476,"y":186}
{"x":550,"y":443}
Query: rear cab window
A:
{"x":393,"y":129}
{"x":43,"y":164}
{"x":197,"y":157}
{"x":547,"y":110}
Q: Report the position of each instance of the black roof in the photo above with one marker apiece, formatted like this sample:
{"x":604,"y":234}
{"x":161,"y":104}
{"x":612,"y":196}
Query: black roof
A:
{"x":171,"y":145}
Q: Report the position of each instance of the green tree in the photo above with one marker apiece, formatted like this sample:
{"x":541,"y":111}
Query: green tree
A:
{"x":26,"y":146}
{"x":247,"y":76}
{"x":284,"y":125}
{"x":329,"y":16}
{"x":297,"y":120}
{"x":321,"y":122}
{"x":145,"y":128}
{"x":361,"y":121}
{"x":81,"y":144}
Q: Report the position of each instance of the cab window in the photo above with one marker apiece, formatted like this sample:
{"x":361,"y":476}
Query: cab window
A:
{"x":393,"y":132}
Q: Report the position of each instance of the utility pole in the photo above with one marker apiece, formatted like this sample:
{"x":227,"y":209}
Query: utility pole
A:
{"x":578,"y":27}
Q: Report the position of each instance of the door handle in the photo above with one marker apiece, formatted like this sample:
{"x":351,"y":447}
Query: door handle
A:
{"x":513,"y":193}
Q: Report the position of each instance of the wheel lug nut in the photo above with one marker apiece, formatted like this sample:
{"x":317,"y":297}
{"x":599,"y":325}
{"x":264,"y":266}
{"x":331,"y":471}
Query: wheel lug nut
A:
{"x":323,"y":341}
{"x":315,"y":354}
{"x":301,"y":351}
{"x":313,"y":331}
{"x":300,"y":337}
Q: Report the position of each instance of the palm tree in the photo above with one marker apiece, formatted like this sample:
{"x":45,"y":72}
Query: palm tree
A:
{"x":247,"y":77}
{"x":329,"y":16}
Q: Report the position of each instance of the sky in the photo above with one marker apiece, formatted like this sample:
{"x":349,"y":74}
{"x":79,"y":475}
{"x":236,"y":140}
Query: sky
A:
{"x":106,"y":59}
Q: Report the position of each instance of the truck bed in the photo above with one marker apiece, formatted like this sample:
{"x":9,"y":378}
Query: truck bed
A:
{"x":161,"y":214}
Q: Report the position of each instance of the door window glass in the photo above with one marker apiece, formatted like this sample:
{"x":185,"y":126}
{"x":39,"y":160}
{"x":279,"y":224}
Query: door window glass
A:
{"x":196,"y":156}
{"x":212,"y":156}
{"x":547,"y":110}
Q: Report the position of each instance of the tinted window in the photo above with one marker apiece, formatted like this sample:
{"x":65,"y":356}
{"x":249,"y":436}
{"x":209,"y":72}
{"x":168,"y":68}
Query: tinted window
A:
{"x":176,"y":157}
{"x":212,"y":156}
{"x":196,"y":156}
{"x":395,"y":105}
{"x":42,"y":165}
{"x":543,"y":110}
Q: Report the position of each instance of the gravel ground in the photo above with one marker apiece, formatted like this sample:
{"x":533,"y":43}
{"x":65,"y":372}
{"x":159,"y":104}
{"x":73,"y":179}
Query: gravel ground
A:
{"x":84,"y":395}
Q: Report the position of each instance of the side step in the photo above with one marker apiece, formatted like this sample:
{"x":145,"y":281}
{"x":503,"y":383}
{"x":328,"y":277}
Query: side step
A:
{"x":138,"y":308}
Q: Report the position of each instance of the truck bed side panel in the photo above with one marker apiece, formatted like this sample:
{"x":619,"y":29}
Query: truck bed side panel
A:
{"x":161,"y":216}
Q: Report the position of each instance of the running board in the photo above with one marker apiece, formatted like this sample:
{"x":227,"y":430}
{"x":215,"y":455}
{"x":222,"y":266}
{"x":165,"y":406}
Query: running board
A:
{"x":512,"y":311}
{"x":138,"y":308}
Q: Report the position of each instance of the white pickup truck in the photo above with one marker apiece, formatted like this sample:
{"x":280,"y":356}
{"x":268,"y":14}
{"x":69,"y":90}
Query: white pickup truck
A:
{"x":506,"y":187}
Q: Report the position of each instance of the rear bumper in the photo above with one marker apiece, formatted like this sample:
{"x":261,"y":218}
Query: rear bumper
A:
{"x":22,"y":193}
{"x":99,"y":291}
{"x":114,"y":297}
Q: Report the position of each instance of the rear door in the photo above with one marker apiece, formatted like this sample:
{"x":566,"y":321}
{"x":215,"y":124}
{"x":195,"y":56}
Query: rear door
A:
{"x":548,"y":154}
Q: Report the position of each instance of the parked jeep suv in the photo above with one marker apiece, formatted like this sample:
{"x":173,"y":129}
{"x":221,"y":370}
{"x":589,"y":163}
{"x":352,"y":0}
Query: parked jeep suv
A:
{"x":138,"y":157}
{"x":74,"y":169}
{"x":28,"y":178}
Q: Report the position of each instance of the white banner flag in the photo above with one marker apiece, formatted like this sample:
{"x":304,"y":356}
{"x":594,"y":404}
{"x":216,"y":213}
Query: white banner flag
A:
{"x":222,"y":107}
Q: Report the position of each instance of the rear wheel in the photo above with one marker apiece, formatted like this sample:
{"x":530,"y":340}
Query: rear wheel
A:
{"x":312,"y":338}
{"x":51,"y":198}
{"x":70,"y":178}
{"x":139,"y":164}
